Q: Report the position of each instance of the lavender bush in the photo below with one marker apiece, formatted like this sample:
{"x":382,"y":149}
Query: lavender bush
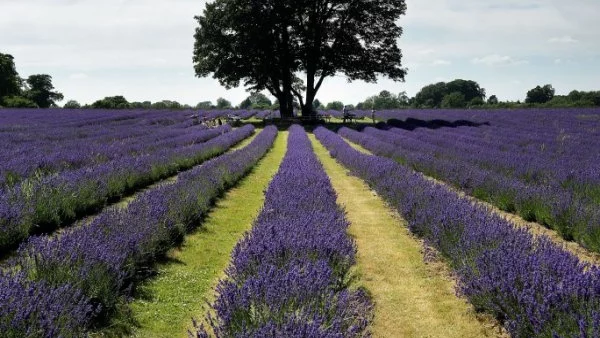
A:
{"x":52,"y":201}
{"x":289,"y":275}
{"x":102,"y":261}
{"x":534,"y":287}
{"x":524,"y":183}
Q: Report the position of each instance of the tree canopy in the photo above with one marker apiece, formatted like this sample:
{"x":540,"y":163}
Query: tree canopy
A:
{"x":432,"y":96}
{"x":454,"y":100}
{"x":540,"y":94}
{"x":10,"y":82}
{"x":385,"y":100}
{"x":72,"y":104}
{"x":256,"y":100}
{"x":223,"y":103}
{"x":111,"y":102}
{"x":492,"y":99}
{"x":335,"y":105}
{"x":271,"y":44}
{"x":204,"y":105}
{"x":41,"y":91}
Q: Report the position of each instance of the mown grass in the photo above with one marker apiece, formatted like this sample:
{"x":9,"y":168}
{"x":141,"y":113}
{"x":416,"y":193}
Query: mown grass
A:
{"x":535,"y":228}
{"x":412,"y":298}
{"x":186,"y":281}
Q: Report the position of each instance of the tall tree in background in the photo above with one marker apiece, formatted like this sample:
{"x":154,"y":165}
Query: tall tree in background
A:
{"x":432,"y":96}
{"x":41,"y":90}
{"x":223,"y":103}
{"x":256,"y":100}
{"x":540,"y":94}
{"x":10,"y":82}
{"x":289,"y":47}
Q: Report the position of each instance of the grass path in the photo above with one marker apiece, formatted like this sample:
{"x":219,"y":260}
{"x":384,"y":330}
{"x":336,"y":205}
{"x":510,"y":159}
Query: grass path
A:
{"x":123,"y":202}
{"x":534,"y":228}
{"x":412,"y":298}
{"x":189,"y":277}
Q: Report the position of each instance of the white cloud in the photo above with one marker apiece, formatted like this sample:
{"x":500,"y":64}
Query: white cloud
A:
{"x":427,"y":51}
{"x":440,"y":62}
{"x":143,"y":48}
{"x":498,"y":60}
{"x":563,"y":39}
{"x":78,"y":76}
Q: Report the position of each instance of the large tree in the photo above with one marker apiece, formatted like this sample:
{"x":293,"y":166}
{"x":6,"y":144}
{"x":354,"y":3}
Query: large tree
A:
{"x":540,"y":94}
{"x":432,"y":96}
{"x":289,"y":47}
{"x":41,"y":91}
{"x":111,"y":102}
{"x":10,"y":82}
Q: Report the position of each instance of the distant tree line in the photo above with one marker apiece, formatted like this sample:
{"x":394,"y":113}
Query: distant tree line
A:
{"x":469,"y":94}
{"x":36,"y":91}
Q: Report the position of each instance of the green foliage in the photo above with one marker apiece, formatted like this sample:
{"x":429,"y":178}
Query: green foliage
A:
{"x":223,"y":103}
{"x":246,"y":104}
{"x":592,"y":97}
{"x":111,"y":102}
{"x":18,"y":102}
{"x":540,"y":94}
{"x":268,"y":45}
{"x":492,"y":100}
{"x":72,"y":104}
{"x":10,"y":81}
{"x":41,"y":91}
{"x":431,"y":96}
{"x":335,"y":105}
{"x":454,"y":100}
{"x":141,"y":105}
{"x":385,"y":100}
{"x":166,"y":104}
{"x":256,"y":100}
{"x":318,"y":105}
{"x":476,"y":102}
{"x":470,"y":89}
{"x":204,"y":105}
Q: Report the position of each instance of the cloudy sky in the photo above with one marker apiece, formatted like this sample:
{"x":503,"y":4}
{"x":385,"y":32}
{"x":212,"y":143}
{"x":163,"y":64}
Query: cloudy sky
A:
{"x":142,"y":49}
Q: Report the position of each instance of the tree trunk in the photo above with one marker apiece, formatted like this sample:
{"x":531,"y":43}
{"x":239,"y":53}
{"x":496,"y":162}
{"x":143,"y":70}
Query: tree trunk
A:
{"x":286,"y":107}
{"x":287,"y":101}
{"x":308,"y":109}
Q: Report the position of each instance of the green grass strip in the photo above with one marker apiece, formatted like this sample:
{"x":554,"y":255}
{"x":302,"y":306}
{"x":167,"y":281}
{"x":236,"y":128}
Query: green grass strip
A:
{"x":412,"y":298}
{"x":190,"y":275}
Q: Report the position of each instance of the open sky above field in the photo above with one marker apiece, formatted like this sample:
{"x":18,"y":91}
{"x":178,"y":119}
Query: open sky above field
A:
{"x":142,"y":49}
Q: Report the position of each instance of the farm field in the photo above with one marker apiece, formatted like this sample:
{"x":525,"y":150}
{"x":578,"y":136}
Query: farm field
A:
{"x":426,"y":224}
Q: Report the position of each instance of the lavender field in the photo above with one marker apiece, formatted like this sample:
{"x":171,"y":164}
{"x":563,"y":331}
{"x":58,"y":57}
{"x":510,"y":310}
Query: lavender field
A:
{"x":72,"y":261}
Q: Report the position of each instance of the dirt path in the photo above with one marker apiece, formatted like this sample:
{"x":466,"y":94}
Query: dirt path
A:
{"x":412,"y":298}
{"x":534,"y":228}
{"x":189,"y":278}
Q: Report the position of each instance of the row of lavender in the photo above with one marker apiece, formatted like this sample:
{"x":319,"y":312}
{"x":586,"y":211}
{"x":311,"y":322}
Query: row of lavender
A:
{"x":44,"y":143}
{"x":67,"y":284}
{"x":559,"y":142}
{"x":573,"y":216}
{"x":550,"y":145}
{"x":289,"y":275}
{"x":554,"y":187}
{"x":40,"y":143}
{"x":52,"y":201}
{"x":534,"y":287}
